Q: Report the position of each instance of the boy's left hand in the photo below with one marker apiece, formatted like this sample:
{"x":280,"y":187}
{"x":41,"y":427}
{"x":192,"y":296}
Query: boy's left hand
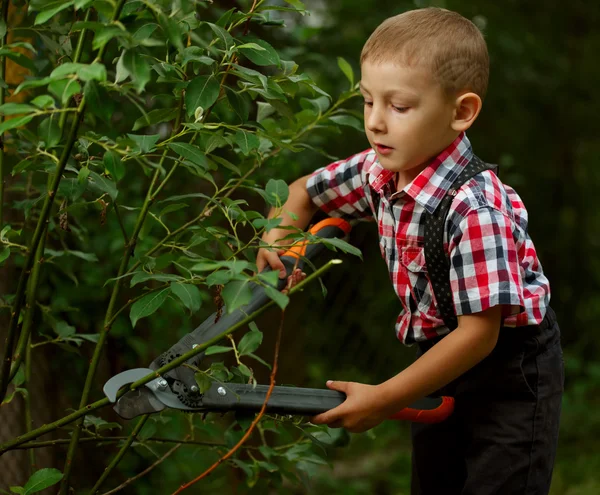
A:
{"x":362,"y":410}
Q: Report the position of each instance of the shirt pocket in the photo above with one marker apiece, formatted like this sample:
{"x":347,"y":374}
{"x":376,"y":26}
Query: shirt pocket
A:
{"x":413,"y":260}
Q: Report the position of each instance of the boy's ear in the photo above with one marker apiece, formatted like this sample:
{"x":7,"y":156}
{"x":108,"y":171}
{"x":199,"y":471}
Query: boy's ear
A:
{"x":466,"y":110}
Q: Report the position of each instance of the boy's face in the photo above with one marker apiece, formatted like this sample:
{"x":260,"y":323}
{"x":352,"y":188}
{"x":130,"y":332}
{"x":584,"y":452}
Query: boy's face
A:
{"x":407,"y":116}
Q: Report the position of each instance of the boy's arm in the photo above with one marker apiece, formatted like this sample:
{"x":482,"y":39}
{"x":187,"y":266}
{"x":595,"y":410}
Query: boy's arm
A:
{"x":298,"y":203}
{"x":368,"y":405}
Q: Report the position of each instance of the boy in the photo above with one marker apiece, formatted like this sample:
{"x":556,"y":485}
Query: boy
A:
{"x":424,"y":75}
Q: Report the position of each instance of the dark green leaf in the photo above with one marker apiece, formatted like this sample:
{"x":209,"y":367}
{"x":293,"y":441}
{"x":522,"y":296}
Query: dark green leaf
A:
{"x":103,"y":185}
{"x":114,"y":165}
{"x":138,"y":67}
{"x":16,"y":122}
{"x":246,"y":141}
{"x":227,"y":164}
{"x":188,"y":294}
{"x":259,"y":51}
{"x":71,"y":189}
{"x":4,"y":254}
{"x":236,"y":294}
{"x":347,"y":70}
{"x":64,"y":89}
{"x":42,"y":479}
{"x":240,"y":103}
{"x":160,"y":277}
{"x":348,"y":120}
{"x":16,"y":108}
{"x":202,"y":92}
{"x":49,"y":130}
{"x":203,"y":381}
{"x":147,"y":305}
{"x":64,"y":330}
{"x":219,"y":278}
{"x":277,"y":192}
{"x":92,"y":72}
{"x":267,"y":223}
{"x":146,"y":142}
{"x":190,"y":152}
{"x":342,"y":246}
{"x":105,"y":34}
{"x":50,"y":10}
{"x":218,"y":349}
{"x":172,"y":30}
{"x":156,"y":117}
{"x":172,"y":208}
{"x":196,"y":54}
{"x":280,"y":299}
{"x":43,"y":101}
{"x":250,"y":342}
{"x":98,"y":100}
{"x":223,"y":35}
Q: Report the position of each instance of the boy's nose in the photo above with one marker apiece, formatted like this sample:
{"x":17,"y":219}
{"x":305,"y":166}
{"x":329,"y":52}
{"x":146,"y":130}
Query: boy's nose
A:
{"x":375,"y":121}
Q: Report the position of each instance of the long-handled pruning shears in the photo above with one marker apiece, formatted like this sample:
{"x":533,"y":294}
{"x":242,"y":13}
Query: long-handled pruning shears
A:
{"x":178,"y":389}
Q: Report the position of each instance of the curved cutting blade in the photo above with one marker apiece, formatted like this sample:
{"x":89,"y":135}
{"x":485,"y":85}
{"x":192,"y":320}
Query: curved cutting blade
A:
{"x":137,"y":402}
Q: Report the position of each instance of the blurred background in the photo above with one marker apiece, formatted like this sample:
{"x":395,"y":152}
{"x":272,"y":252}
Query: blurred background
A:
{"x":539,"y":122}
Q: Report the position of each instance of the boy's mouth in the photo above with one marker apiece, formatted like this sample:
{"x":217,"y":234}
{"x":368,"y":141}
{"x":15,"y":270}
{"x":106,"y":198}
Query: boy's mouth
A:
{"x":383,"y":149}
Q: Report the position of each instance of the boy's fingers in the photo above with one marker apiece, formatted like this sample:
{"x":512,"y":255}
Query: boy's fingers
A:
{"x":337,"y":385}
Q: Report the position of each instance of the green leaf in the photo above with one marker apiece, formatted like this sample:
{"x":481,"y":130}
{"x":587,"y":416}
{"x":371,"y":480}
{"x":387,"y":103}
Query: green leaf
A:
{"x":203,"y":381}
{"x":196,"y":54}
{"x":103,"y":185}
{"x":296,"y":3}
{"x":155,"y":117}
{"x":71,"y":189}
{"x":349,"y":121}
{"x":245,"y":370}
{"x":172,"y":208}
{"x":280,"y":298}
{"x":107,"y":33}
{"x":218,"y":349}
{"x":227,"y":164}
{"x":64,"y":89}
{"x":18,"y":58}
{"x":32,"y":83}
{"x":42,"y":479}
{"x":147,"y":305}
{"x":13,"y":123}
{"x":271,"y":278}
{"x":64,"y":330}
{"x":138,"y":67}
{"x":247,"y":141}
{"x":95,"y":71}
{"x":16,"y":108}
{"x":172,"y":30}
{"x":160,"y":277}
{"x":52,"y":8}
{"x":98,"y":100}
{"x":342,"y":246}
{"x":268,"y":223}
{"x":347,"y":70}
{"x":223,"y":35}
{"x":250,"y":342}
{"x":240,"y":103}
{"x":259,"y":52}
{"x":43,"y":101}
{"x":277,"y":192}
{"x":4,"y":254}
{"x":191,"y":152}
{"x":146,"y":142}
{"x":236,"y":294}
{"x":202,"y":92}
{"x":16,"y":489}
{"x":49,"y":130}
{"x":188,"y":294}
{"x":114,"y":165}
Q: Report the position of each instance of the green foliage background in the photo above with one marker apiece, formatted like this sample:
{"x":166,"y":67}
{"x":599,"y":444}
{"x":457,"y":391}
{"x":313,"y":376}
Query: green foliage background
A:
{"x":539,"y":123}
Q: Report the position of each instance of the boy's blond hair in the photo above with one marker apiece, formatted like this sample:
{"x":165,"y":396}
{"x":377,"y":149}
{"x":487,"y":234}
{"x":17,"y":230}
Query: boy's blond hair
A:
{"x":444,"y":42}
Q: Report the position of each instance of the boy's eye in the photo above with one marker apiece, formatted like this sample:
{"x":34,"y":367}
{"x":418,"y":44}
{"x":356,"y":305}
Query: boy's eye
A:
{"x":400,"y":109}
{"x":368,"y":103}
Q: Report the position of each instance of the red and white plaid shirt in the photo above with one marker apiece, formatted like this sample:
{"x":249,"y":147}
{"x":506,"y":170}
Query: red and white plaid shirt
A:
{"x":492,"y":258}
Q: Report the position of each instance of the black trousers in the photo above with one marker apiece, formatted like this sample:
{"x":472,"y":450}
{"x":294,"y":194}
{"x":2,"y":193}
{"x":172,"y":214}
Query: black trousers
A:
{"x":502,"y":437}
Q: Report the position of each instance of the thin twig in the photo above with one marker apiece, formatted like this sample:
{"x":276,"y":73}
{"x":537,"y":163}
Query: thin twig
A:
{"x":258,"y":417}
{"x":144,"y":472}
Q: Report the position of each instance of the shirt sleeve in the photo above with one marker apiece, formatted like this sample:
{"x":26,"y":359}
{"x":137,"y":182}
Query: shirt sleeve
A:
{"x":484,"y":265}
{"x":341,"y":189}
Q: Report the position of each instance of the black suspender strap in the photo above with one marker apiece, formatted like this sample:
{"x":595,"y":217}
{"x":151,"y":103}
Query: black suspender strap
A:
{"x":438,"y":263}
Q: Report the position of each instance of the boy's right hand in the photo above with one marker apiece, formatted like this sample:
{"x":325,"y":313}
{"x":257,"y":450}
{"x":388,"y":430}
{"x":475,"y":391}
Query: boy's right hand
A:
{"x":271,"y":258}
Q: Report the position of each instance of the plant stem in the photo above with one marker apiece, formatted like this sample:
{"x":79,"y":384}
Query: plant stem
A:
{"x":246,"y":436}
{"x":144,"y":472}
{"x":5,"y":4}
{"x":12,"y":444}
{"x":120,"y":454}
{"x":65,"y":441}
{"x":24,"y":338}
{"x":28,"y":418}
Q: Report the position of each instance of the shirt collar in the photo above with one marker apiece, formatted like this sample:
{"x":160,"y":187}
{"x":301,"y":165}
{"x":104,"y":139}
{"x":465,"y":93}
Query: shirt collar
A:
{"x":431,"y":185}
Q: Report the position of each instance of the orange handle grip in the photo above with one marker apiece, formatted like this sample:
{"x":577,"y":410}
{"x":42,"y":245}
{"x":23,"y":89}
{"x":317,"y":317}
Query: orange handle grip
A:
{"x":428,"y":414}
{"x":330,"y":227}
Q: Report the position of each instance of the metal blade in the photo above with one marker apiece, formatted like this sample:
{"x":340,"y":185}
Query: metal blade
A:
{"x":137,"y":402}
